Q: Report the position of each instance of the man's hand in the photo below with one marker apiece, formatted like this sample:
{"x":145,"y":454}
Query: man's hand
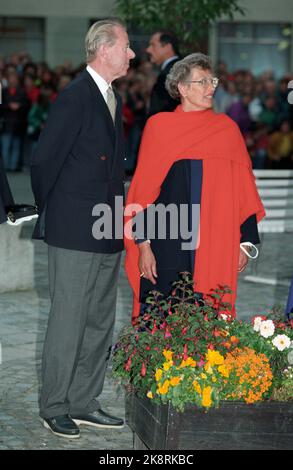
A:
{"x":147,"y":262}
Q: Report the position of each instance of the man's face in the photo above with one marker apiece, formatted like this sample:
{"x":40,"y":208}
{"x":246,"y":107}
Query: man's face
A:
{"x":156,"y":50}
{"x":119,"y":55}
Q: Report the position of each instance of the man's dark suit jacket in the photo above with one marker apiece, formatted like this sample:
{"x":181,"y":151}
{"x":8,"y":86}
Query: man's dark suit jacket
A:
{"x":77,"y":164}
{"x":160,"y":99}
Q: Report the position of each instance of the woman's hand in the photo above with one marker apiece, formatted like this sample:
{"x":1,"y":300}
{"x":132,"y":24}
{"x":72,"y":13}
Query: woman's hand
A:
{"x":147,"y":262}
{"x":243,"y":261}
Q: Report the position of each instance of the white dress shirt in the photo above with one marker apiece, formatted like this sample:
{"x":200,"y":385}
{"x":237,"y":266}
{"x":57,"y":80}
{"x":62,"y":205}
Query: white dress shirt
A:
{"x":99,"y":81}
{"x":166,"y":62}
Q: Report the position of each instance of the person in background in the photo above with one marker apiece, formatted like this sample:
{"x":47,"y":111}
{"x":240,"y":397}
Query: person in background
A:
{"x":269,"y":114}
{"x":239,"y":112}
{"x":13,"y":111}
{"x":280,"y":147}
{"x":164,"y":52}
{"x":38,"y":115}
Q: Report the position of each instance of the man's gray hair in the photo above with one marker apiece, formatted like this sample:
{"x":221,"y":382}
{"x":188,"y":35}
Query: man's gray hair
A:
{"x":182,"y":69}
{"x":101,"y":32}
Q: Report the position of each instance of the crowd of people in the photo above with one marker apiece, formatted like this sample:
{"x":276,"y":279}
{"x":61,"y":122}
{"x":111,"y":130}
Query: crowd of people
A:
{"x":259,"y":105}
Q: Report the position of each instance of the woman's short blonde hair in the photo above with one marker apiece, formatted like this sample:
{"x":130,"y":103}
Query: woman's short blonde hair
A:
{"x":101,"y":32}
{"x":182,"y":69}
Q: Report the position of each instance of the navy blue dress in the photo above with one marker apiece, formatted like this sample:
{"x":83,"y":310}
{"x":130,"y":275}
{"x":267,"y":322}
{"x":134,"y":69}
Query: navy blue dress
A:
{"x":182,"y":185}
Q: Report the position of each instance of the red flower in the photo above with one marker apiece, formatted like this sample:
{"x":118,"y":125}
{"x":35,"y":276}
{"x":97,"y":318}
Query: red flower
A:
{"x":128,"y":365}
{"x":167,"y":334}
{"x":185,"y":352}
{"x":154,"y":328}
{"x":143,"y":370}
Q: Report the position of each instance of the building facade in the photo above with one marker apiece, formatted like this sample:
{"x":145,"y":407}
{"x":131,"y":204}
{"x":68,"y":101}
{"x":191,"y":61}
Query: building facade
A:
{"x":54,"y":31}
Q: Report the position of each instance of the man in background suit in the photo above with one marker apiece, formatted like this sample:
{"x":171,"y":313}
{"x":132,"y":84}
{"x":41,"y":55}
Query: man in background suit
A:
{"x":78,"y":163}
{"x":164,"y":52}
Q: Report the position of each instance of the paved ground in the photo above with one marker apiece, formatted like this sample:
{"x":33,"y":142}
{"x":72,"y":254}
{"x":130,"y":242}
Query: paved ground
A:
{"x":23,"y":318}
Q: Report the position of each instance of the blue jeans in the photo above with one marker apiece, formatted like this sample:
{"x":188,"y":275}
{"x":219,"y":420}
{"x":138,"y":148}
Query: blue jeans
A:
{"x":10,"y":146}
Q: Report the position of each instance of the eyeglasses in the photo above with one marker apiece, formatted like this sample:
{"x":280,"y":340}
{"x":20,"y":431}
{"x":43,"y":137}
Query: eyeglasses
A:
{"x":204,"y":82}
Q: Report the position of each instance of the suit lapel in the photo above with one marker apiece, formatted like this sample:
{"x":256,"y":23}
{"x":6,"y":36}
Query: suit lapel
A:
{"x":98,"y":97}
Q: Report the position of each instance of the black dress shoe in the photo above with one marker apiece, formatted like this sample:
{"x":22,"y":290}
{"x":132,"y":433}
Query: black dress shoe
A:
{"x":62,"y":426}
{"x":98,"y":419}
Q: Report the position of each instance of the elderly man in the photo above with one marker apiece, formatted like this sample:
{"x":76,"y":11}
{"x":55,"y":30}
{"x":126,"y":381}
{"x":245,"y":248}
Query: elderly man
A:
{"x":163,"y":51}
{"x":78,"y":163}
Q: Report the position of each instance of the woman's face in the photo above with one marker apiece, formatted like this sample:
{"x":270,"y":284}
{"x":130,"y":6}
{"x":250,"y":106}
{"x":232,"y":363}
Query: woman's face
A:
{"x":197,"y":91}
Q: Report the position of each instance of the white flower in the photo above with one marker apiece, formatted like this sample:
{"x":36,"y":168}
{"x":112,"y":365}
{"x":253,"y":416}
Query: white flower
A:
{"x":267,"y":328}
{"x":224,"y":316}
{"x":281,"y":342}
{"x":256,"y":324}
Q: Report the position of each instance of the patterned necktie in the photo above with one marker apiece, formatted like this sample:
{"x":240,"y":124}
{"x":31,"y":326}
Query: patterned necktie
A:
{"x":111,"y":102}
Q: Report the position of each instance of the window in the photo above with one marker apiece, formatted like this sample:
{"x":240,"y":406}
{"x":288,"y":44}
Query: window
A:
{"x":255,"y":46}
{"x":22,"y":34}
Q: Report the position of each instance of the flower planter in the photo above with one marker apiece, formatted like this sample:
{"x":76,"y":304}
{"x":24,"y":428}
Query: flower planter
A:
{"x":235,"y":425}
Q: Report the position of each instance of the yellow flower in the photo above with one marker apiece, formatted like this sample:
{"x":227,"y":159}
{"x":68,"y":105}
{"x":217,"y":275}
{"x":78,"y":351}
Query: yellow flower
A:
{"x":224,"y":371}
{"x":214,"y":357}
{"x":164,"y":388}
{"x":168,"y":354}
{"x":196,"y":386}
{"x":175,"y":381}
{"x":183,"y":364}
{"x":214,"y":379}
{"x":159,"y":374}
{"x":150,"y":395}
{"x":208,"y":368}
{"x":203,"y":376}
{"x":206,"y":397}
{"x":190,"y":362}
{"x":167,"y":365}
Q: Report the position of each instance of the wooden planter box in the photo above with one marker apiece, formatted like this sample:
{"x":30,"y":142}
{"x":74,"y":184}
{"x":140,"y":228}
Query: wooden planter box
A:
{"x":235,"y":425}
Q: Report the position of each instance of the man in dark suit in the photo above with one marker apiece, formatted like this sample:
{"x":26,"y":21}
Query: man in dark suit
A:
{"x":164,"y":52}
{"x":78,"y":164}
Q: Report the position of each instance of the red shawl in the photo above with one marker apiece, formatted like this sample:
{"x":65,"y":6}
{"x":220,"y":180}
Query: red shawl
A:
{"x":229,"y":194}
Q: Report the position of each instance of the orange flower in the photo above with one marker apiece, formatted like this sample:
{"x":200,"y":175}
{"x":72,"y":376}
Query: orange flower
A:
{"x":175,"y":381}
{"x":196,"y":386}
{"x":206,"y":397}
{"x":251,"y":373}
{"x":234,"y":340}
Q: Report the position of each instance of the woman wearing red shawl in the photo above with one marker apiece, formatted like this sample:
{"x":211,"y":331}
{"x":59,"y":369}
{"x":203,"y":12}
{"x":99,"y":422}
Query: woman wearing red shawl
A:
{"x":193,"y":156}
